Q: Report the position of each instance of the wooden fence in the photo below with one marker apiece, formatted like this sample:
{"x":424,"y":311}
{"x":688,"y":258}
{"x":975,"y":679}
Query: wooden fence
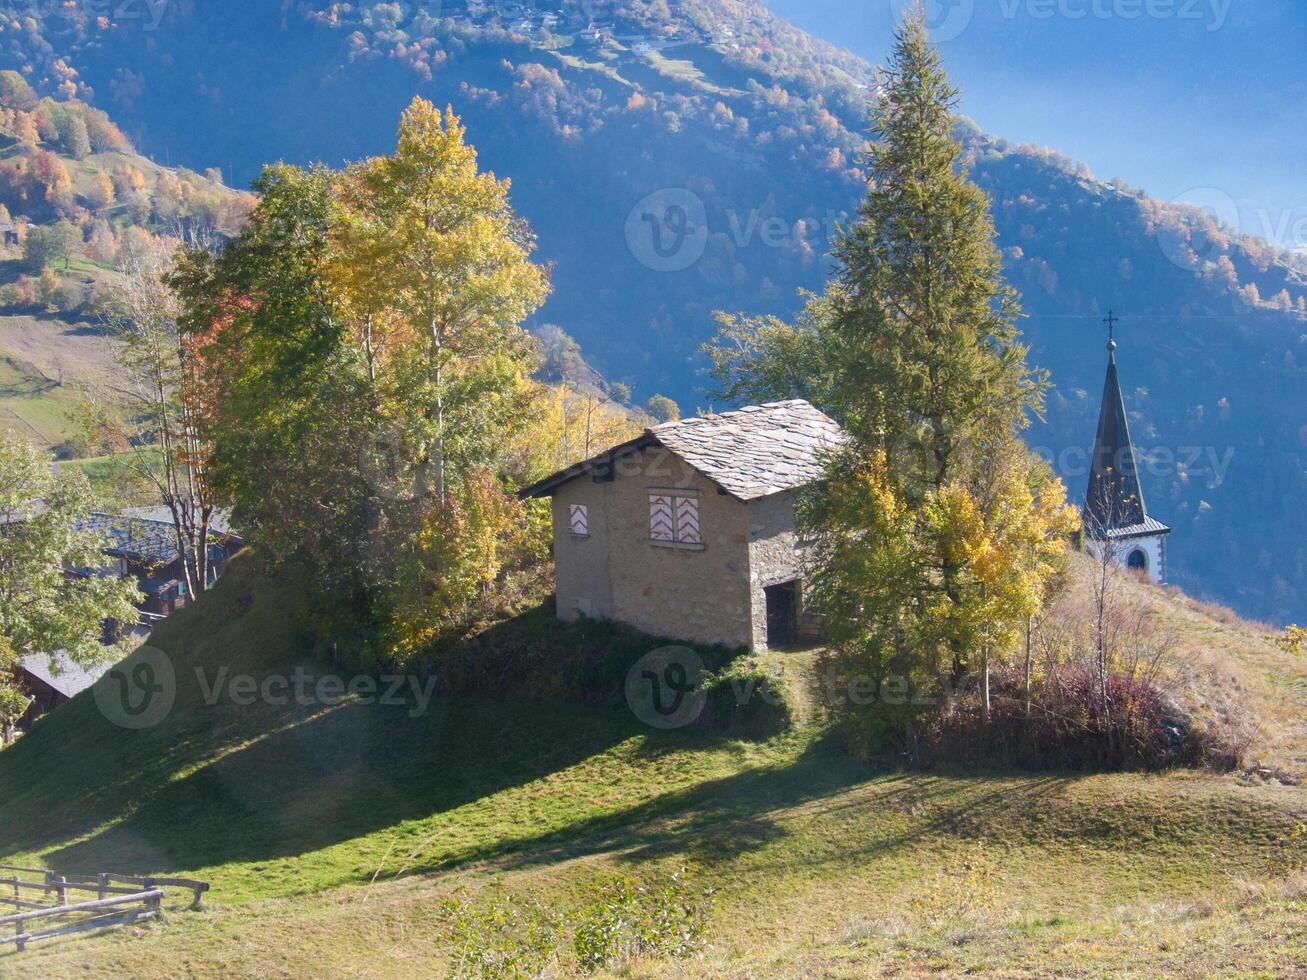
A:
{"x":51,"y":907}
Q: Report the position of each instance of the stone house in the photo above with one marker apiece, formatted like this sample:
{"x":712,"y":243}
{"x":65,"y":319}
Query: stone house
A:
{"x":688,"y":531}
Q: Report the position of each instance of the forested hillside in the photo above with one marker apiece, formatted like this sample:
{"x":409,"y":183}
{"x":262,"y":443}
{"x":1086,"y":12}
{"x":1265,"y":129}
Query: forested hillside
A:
{"x":746,"y":132}
{"x":75,"y":199}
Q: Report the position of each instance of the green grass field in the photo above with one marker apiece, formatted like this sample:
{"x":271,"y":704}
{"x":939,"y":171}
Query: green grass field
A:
{"x":46,"y":366}
{"x":332,"y":835}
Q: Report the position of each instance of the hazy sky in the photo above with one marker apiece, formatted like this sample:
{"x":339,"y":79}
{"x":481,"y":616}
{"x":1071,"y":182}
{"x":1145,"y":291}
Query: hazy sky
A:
{"x":1203,"y":100}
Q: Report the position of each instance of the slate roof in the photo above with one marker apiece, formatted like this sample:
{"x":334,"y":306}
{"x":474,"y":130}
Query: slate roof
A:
{"x":750,"y":452}
{"x":1145,"y":527}
{"x":219,"y":520}
{"x":146,"y":533}
{"x":134,"y":537}
{"x":755,"y":451}
{"x":1114,"y":501}
{"x":68,"y":678}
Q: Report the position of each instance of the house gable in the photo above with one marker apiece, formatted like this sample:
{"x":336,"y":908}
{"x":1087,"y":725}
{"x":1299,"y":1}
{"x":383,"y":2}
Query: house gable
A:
{"x":666,"y":551}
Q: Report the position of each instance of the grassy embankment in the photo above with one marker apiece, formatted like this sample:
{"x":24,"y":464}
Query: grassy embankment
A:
{"x":331,"y":836}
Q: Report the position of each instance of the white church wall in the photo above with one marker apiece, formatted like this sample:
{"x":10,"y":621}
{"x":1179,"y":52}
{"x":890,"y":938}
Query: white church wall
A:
{"x":1153,"y":548}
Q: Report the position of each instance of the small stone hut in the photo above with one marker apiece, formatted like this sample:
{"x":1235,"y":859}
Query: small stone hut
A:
{"x":688,"y":531}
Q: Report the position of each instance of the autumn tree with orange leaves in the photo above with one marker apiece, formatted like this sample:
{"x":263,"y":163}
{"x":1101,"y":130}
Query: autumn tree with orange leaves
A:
{"x":165,"y":396}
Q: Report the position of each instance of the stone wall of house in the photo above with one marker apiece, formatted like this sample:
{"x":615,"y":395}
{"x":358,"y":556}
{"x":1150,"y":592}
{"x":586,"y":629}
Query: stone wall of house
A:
{"x":583,"y":584}
{"x":776,"y":556}
{"x":690,"y":592}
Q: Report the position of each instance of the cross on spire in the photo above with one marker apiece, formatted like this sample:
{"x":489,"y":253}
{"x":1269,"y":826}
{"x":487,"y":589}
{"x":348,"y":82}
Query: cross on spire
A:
{"x":1111,"y":320}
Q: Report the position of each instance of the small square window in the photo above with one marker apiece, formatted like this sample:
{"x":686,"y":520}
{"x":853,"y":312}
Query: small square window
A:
{"x":578,"y":521}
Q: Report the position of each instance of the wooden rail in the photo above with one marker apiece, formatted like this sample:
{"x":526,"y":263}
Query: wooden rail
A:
{"x":99,"y":914}
{"x":120,"y":900}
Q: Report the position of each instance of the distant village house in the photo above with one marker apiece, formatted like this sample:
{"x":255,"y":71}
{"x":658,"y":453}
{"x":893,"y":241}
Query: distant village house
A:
{"x":143,"y":544}
{"x":51,"y":681}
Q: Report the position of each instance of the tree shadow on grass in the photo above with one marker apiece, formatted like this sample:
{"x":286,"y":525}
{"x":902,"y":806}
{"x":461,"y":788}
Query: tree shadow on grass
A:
{"x":718,"y":821}
{"x":346,"y":773}
{"x":356,"y":770}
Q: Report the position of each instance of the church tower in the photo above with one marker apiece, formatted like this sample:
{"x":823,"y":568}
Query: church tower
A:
{"x":1115,"y":516}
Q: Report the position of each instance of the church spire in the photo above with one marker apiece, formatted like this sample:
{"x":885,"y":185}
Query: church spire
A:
{"x":1115,"y":498}
{"x":1116,"y":519}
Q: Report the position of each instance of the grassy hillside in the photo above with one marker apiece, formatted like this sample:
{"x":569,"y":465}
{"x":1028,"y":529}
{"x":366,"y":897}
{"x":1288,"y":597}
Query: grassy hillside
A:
{"x":47,"y":364}
{"x":315,"y":824}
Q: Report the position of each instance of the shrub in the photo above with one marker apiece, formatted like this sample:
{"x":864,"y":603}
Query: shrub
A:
{"x":504,"y":938}
{"x":1068,"y":727}
{"x":68,"y":297}
{"x":633,"y":921}
{"x":744,"y":701}
{"x":1293,"y":640}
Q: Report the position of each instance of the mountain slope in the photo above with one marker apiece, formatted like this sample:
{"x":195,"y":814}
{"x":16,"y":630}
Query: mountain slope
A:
{"x":698,"y":155}
{"x":314,"y":821}
{"x":75,"y":197}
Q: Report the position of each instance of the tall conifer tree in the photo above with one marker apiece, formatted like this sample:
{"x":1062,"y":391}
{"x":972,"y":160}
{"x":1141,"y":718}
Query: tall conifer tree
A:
{"x":934,"y":531}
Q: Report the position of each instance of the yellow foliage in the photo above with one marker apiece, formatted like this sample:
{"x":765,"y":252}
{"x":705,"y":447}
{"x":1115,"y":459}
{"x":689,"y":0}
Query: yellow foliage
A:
{"x":455,"y":556}
{"x":101,"y":193}
{"x":1294,"y":639}
{"x":58,"y":183}
{"x":48,"y":285}
{"x":569,"y":426}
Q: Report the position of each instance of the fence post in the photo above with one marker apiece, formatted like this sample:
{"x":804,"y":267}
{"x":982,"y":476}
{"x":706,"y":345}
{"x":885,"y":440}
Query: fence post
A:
{"x":104,"y":884}
{"x":60,"y":882}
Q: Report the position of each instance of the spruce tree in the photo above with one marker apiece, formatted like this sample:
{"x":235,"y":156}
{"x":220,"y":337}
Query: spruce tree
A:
{"x":934,"y":532}
{"x":935,"y":529}
{"x":926,"y":326}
